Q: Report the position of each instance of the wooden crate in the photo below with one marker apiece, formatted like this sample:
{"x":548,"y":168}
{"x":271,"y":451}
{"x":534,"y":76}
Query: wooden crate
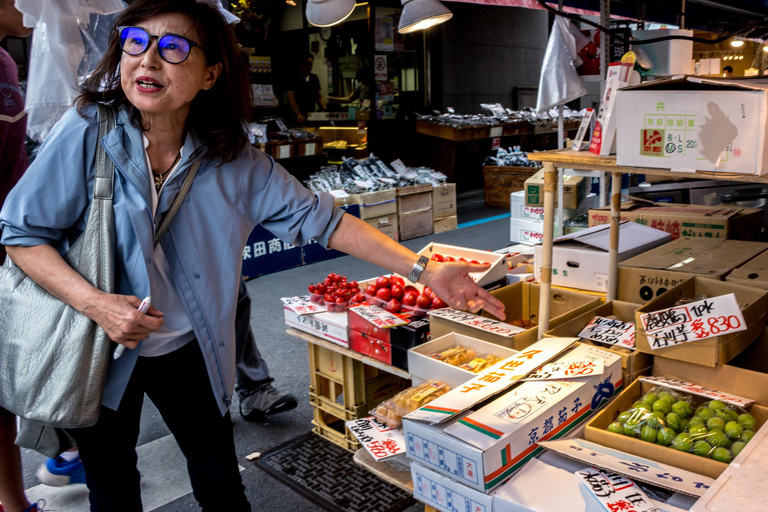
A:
{"x":502,"y":181}
{"x":444,"y":132}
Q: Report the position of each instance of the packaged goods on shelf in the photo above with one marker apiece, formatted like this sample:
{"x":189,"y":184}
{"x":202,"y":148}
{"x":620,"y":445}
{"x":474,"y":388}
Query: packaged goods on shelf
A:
{"x":511,"y":157}
{"x":736,"y":386}
{"x":706,"y":257}
{"x":483,"y":448}
{"x":580,"y":260}
{"x":694,"y":123}
{"x":689,"y":220}
{"x":575,"y":189}
{"x":694,"y":343}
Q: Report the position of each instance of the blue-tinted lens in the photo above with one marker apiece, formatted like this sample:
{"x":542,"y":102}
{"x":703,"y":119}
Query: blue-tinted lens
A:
{"x":134,"y":40}
{"x":173,"y":49}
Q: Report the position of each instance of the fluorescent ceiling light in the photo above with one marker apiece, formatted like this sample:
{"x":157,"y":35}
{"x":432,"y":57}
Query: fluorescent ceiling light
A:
{"x":324,"y":13}
{"x":422,"y":14}
{"x":737,"y":43}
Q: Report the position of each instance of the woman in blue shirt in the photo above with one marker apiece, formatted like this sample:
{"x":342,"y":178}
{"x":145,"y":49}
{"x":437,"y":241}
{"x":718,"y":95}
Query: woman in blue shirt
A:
{"x":174,"y":76}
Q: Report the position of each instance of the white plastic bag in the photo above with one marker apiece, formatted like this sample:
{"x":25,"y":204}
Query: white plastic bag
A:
{"x":559,"y":82}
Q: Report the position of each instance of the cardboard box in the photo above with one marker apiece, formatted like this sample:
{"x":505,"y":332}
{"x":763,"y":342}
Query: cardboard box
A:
{"x":575,"y":188}
{"x":520,"y":210}
{"x":526,"y":231}
{"x":521,"y":301}
{"x":495,"y":273}
{"x":633,"y":362}
{"x":693,"y":123}
{"x":375,"y":204}
{"x":445,"y":224}
{"x":500,"y":181}
{"x":387,"y":224}
{"x":414,"y":224}
{"x":387,"y":344}
{"x":423,"y":367}
{"x":522,"y":274}
{"x":329,"y":326}
{"x":580,"y":260}
{"x":414,"y":198}
{"x":711,"y":351}
{"x":727,"y":379}
{"x":444,"y":201}
{"x":687,"y":220}
{"x":446,"y":495}
{"x":639,"y":285}
{"x":752,"y":273}
{"x":706,"y":257}
{"x":483,"y":448}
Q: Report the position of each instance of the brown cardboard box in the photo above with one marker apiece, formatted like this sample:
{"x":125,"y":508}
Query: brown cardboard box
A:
{"x":753,"y":273}
{"x":500,"y":181}
{"x":728,"y":379}
{"x":707,"y":257}
{"x":373,"y":204}
{"x":387,"y":224}
{"x":414,"y":198}
{"x":711,"y":351}
{"x":755,"y":356}
{"x":521,"y":300}
{"x":633,"y":363}
{"x":639,"y":285}
{"x":445,"y":224}
{"x":575,"y":189}
{"x":415,"y":224}
{"x":444,"y":201}
{"x":687,"y":220}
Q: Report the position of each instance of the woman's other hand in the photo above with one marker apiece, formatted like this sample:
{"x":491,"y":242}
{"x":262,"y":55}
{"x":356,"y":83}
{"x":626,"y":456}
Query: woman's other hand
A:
{"x":452,"y":283}
{"x":120,"y":318}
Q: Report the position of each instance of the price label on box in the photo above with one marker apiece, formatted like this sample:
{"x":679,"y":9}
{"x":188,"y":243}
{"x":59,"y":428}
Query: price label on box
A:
{"x":616,"y":492}
{"x":309,"y":148}
{"x":284,"y":151}
{"x":694,"y":321}
{"x":496,"y":131}
{"x":379,"y":317}
{"x":301,"y":305}
{"x":377,"y":438}
{"x":568,"y":370}
{"x":610,"y":332}
{"x":476,"y":321}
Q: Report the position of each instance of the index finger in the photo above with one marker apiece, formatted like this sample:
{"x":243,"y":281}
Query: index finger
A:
{"x":491,"y":304}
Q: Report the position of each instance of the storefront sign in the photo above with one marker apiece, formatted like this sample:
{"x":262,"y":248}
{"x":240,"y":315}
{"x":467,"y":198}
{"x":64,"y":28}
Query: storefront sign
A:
{"x":694,"y":321}
{"x":380,"y":68}
{"x":610,"y":332}
{"x":377,"y":438}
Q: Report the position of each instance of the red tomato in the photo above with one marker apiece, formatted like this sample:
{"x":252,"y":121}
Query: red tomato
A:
{"x":397,"y":291}
{"x":312,"y":288}
{"x":437,"y":257}
{"x":370,"y":289}
{"x":383,"y":294}
{"x":449,"y":258}
{"x":320,"y":288}
{"x":438,"y":303}
{"x":353,"y":284}
{"x":409,"y":298}
{"x":428,"y":291}
{"x":475,"y":262}
{"x":424,"y":301}
{"x":393,"y":306}
{"x":329,"y":298}
{"x":463,"y":260}
{"x":358,"y":297}
{"x":328,"y":281}
{"x":411,"y":288}
{"x":330,"y":276}
{"x":382,"y":282}
{"x":397,"y":280}
{"x":341,"y":300}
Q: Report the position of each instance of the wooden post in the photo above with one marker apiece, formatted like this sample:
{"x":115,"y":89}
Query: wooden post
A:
{"x":550,"y":187}
{"x":613,"y":251}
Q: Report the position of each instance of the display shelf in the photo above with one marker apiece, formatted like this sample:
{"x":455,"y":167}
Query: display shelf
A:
{"x":349,"y":353}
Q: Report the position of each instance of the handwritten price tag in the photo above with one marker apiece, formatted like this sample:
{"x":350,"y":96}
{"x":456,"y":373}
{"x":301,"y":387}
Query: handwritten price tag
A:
{"x":694,"y":321}
{"x":379,"y":317}
{"x":477,"y":322}
{"x":301,"y":305}
{"x":378,"y":439}
{"x":616,"y":492}
{"x":610,"y":332}
{"x":568,"y":370}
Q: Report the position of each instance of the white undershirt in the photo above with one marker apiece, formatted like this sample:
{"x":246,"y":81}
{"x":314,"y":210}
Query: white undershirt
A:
{"x":177,"y":329}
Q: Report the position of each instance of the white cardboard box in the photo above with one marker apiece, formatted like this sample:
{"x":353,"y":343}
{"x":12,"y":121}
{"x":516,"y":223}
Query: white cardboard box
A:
{"x":526,"y":231}
{"x":580,"y":260}
{"x":423,"y":367}
{"x":498,"y":265}
{"x":484,"y":448}
{"x":690,"y":123}
{"x":519,"y":210}
{"x":445,"y":494}
{"x":329,"y":326}
{"x":672,"y":57}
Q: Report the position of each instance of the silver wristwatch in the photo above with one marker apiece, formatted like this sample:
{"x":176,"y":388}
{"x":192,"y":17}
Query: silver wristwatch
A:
{"x":417,"y":269}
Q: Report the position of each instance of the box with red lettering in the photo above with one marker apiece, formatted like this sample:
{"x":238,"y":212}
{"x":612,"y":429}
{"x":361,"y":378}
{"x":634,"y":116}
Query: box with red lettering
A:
{"x":386,"y":336}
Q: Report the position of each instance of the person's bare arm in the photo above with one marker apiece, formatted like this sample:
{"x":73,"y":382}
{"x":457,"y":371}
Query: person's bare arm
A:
{"x":116,"y":314}
{"x":295,"y":107}
{"x":450,"y":281}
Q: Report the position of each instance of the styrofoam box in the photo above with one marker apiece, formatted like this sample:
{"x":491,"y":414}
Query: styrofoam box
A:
{"x":526,"y":231}
{"x":329,"y":326}
{"x":498,"y":266}
{"x":422,"y":367}
{"x":518,"y":209}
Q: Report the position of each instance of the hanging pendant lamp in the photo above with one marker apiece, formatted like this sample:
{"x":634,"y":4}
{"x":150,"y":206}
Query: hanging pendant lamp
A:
{"x":324,"y":13}
{"x":422,"y":14}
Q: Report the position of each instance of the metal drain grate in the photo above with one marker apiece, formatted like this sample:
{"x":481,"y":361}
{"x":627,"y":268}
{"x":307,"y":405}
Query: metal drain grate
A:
{"x":326,"y":475}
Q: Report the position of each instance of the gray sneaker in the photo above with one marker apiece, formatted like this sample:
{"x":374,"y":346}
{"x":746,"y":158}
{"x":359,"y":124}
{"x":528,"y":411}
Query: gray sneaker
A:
{"x":266,"y":400}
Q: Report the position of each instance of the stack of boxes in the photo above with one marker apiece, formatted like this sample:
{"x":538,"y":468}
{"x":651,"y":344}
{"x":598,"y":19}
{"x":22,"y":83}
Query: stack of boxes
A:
{"x":444,"y":207}
{"x":414,"y":211}
{"x":379,"y":209}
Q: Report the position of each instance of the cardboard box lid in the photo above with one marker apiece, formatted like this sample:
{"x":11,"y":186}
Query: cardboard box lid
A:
{"x":682,"y":211}
{"x":695,"y":83}
{"x":632,"y":235}
{"x":754,"y":271}
{"x":568,"y":179}
{"x":707,"y":256}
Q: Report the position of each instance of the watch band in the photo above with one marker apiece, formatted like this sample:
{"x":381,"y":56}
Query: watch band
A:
{"x":418,"y":268}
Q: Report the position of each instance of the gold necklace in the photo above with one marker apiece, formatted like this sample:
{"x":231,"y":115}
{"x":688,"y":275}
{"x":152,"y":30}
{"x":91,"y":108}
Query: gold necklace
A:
{"x":160,"y":177}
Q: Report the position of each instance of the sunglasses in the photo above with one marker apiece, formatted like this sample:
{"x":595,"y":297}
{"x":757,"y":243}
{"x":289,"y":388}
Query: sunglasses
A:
{"x":172,"y":48}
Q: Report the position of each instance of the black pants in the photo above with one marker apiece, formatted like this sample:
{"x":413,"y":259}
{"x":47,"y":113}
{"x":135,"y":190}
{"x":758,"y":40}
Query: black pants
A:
{"x":178,"y":385}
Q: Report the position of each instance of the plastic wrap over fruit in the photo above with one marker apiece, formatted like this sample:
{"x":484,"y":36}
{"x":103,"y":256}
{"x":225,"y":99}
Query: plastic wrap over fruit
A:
{"x":391,"y":411}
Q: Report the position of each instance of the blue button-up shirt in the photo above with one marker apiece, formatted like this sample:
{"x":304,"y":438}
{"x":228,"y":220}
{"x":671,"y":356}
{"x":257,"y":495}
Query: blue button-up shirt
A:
{"x":205,"y":241}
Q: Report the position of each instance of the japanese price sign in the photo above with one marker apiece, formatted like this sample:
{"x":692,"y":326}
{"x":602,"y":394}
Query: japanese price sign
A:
{"x":568,"y":370}
{"x":379,"y":317}
{"x":616,"y":492}
{"x":378,"y":439}
{"x":640,"y":469}
{"x":610,"y":332}
{"x":301,"y":305}
{"x":491,"y":381}
{"x":695,"y":389}
{"x":477,"y":322}
{"x":694,"y":321}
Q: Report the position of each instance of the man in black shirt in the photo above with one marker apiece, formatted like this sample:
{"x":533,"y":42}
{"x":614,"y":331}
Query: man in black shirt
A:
{"x":304,"y":90}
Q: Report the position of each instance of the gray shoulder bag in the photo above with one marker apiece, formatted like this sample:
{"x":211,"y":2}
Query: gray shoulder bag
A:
{"x":53,"y":359}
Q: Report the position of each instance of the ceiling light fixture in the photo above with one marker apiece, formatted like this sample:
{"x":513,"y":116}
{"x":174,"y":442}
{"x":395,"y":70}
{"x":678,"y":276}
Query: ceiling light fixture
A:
{"x":324,"y":13}
{"x":737,"y":43}
{"x":422,"y":14}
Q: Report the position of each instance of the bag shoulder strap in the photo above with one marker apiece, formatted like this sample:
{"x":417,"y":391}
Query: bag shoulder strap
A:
{"x":166,"y":222}
{"x":105,"y":169}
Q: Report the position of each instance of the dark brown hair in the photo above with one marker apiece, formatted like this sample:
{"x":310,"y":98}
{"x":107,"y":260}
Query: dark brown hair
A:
{"x":217,"y":115}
